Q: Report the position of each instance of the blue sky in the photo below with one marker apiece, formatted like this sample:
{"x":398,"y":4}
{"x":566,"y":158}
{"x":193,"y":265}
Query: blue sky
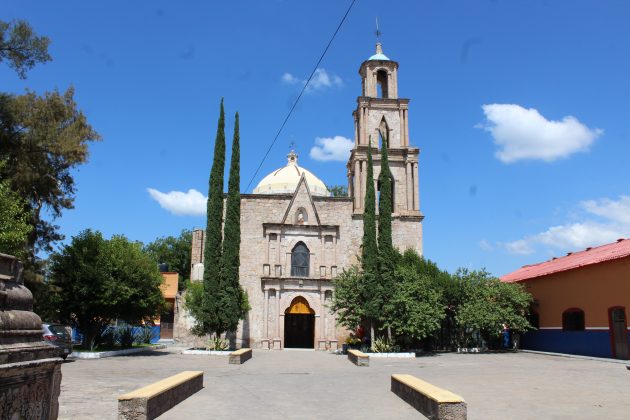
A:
{"x":520,"y":109}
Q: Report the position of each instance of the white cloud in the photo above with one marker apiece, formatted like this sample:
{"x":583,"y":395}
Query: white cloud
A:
{"x":191,"y":203}
{"x":321,"y":80}
{"x":523,"y":133}
{"x":614,"y":224}
{"x":331,"y":148}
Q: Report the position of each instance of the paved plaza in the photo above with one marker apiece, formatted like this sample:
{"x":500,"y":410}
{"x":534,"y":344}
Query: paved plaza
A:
{"x":313,"y":385}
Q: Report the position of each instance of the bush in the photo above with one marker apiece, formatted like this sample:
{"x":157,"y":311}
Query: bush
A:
{"x":108,"y":337}
{"x":126,"y":336}
{"x":382,"y":345}
{"x":218,"y":343}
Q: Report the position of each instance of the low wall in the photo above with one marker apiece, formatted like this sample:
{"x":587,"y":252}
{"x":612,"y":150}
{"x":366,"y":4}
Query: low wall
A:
{"x":594,"y":343}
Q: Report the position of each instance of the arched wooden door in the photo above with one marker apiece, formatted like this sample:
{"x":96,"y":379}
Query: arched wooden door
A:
{"x":299,"y":325}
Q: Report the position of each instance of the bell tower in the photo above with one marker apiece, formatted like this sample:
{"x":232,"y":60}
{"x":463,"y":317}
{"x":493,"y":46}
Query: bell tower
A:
{"x":379,"y":111}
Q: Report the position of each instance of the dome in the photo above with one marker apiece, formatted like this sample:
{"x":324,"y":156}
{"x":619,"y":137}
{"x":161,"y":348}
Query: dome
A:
{"x":379,"y":53}
{"x":285,"y":180}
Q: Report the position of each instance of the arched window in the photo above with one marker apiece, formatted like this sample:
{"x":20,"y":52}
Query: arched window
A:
{"x":573,"y":320}
{"x":300,"y":259}
{"x":381,"y":80}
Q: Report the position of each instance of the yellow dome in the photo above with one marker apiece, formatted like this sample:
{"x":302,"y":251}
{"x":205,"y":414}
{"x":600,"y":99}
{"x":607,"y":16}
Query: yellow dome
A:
{"x":285,"y":180}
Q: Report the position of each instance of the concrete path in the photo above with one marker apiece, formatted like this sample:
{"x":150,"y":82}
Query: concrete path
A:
{"x":314,"y":385}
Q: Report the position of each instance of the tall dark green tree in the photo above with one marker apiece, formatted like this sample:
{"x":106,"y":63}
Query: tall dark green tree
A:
{"x":369,"y":284}
{"x":234,"y":304}
{"x":385,"y":247}
{"x":369,"y":250}
{"x":387,"y":256}
{"x":209,"y":321}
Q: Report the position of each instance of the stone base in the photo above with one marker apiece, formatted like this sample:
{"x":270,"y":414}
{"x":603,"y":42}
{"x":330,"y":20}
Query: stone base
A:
{"x":265,"y":344}
{"x":239,"y":357}
{"x":277,"y":344}
{"x":333,"y":345}
{"x":153,"y":400}
{"x":30,"y":390}
{"x":431,"y":401}
{"x":321,"y":344}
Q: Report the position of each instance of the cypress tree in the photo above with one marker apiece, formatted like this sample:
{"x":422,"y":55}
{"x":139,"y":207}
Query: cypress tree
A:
{"x":213,"y":247}
{"x":385,"y":207}
{"x":369,"y":286}
{"x":233,"y":299}
{"x":369,"y":251}
{"x":386,"y":254}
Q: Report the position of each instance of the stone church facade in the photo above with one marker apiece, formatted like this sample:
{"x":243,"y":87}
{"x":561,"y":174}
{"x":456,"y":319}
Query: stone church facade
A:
{"x":295,"y":237}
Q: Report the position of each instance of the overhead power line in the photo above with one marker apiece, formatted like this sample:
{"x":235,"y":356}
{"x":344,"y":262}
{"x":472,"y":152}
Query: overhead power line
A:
{"x":321,"y":57}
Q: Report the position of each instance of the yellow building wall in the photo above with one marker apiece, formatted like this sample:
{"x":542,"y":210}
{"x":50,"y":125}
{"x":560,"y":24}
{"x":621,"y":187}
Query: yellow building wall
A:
{"x":169,"y":287}
{"x":594,"y":289}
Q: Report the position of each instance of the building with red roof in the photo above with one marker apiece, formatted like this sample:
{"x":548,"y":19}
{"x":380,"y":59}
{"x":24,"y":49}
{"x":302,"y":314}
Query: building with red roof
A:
{"x":581,"y":301}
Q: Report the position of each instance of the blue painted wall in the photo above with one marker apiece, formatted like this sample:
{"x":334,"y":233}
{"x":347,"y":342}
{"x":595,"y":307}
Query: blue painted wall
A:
{"x":586,"y":343}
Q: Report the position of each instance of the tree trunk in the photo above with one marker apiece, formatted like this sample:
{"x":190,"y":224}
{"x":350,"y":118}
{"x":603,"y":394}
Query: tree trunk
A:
{"x":371,"y":333}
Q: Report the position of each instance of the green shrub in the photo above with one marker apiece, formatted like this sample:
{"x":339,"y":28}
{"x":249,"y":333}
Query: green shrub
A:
{"x":145,"y":335}
{"x":218,"y":343}
{"x":126,"y":336}
{"x":382,"y":345}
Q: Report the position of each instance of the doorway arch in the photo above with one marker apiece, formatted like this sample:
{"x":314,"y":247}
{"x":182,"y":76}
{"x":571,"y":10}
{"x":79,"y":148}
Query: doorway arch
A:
{"x":299,"y":324}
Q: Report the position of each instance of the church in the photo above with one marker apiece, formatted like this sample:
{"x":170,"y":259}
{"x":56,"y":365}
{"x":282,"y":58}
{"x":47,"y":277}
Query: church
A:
{"x":296,"y":237}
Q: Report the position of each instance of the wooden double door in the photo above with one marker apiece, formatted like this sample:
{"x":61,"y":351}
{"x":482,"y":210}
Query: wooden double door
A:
{"x":619,"y":333}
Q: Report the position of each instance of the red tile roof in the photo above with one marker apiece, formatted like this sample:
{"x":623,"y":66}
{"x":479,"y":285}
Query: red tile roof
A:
{"x":589,"y":256}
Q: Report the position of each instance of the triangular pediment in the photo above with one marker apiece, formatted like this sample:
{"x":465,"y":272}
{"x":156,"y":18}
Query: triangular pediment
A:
{"x":301,"y":209}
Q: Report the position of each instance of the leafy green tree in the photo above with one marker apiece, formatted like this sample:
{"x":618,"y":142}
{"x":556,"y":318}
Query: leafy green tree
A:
{"x":174,"y":251}
{"x":97,"y":281}
{"x":347,"y":302}
{"x":415,"y":310}
{"x":14,"y":226}
{"x":42,"y":139}
{"x":233,"y":303}
{"x":489,"y":303}
{"x":338,"y":190}
{"x":21,"y":47}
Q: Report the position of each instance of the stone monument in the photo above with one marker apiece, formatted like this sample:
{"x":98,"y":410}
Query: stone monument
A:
{"x":30,"y":368}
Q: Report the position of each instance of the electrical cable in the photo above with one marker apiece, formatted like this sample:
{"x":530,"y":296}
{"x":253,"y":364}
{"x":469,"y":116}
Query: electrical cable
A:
{"x":300,"y":95}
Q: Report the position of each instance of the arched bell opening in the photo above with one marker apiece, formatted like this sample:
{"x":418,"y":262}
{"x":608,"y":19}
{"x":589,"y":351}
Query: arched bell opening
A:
{"x":299,"y":325}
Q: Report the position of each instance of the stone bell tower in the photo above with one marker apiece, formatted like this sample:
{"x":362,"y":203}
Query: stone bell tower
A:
{"x":379,"y":111}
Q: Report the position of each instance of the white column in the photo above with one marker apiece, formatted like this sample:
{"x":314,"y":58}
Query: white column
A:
{"x":402,"y":127}
{"x":365,"y":125}
{"x":322,"y":318}
{"x":416,"y":191}
{"x":361,"y":126}
{"x":363,"y":182}
{"x":357,"y":184}
{"x":266,"y":315}
{"x":278,"y":247}
{"x":409,"y":178}
{"x":278,"y":313}
{"x":406,"y":114}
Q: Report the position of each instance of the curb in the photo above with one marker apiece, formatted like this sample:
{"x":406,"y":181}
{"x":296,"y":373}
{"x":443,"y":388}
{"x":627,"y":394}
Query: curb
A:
{"x":113,"y":353}
{"x":575,"y":356}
